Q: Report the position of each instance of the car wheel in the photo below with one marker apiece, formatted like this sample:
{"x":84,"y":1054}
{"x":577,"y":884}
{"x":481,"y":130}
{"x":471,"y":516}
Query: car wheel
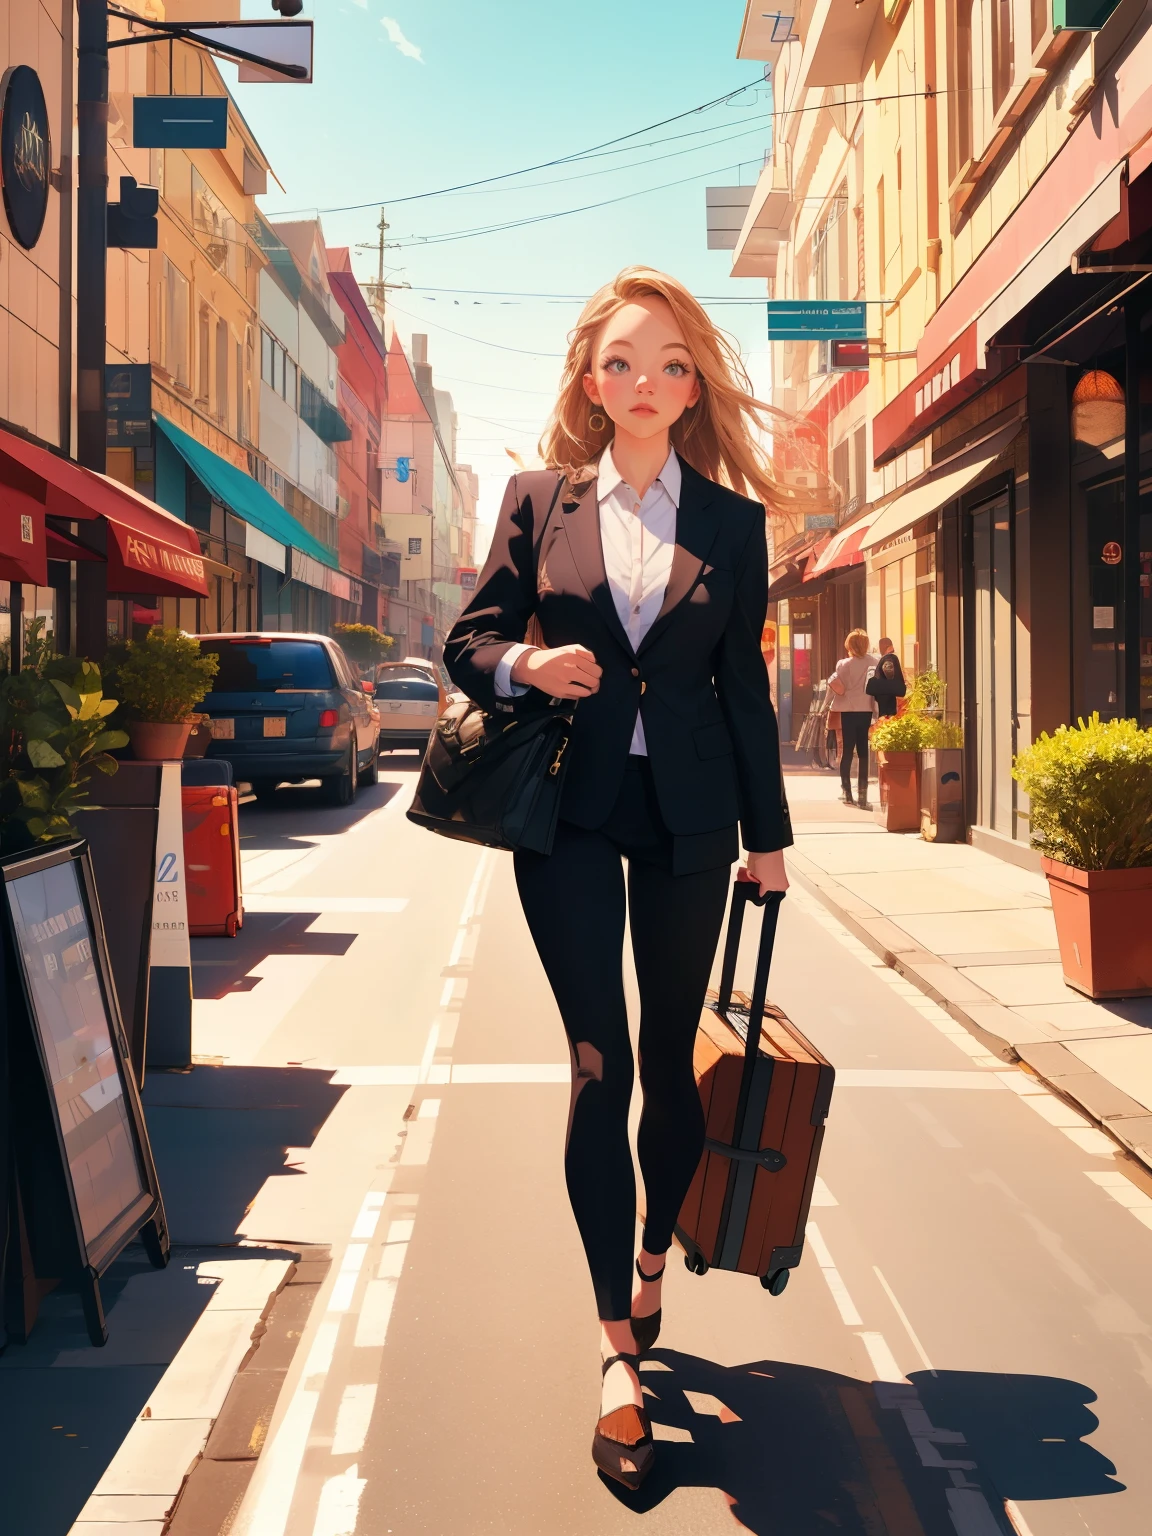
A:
{"x":264,"y":789}
{"x":340,"y":788}
{"x":371,"y":774}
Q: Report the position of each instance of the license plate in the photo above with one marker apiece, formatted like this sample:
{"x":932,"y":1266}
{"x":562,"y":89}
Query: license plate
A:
{"x":222,"y":730}
{"x":275,"y":725}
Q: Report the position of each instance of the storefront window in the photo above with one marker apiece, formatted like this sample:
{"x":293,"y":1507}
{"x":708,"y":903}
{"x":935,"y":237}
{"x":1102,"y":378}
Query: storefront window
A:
{"x":1104,"y":669}
{"x":5,"y":625}
{"x":908,"y":607}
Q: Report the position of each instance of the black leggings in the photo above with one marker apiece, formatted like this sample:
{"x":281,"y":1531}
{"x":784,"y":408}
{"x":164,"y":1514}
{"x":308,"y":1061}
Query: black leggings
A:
{"x":574,"y":902}
{"x":854,"y":726}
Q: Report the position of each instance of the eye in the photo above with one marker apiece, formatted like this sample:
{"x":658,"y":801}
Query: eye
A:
{"x":678,"y":370}
{"x":614,"y":365}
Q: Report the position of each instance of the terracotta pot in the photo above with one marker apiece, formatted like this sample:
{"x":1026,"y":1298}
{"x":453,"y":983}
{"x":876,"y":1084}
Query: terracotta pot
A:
{"x":155,"y":740}
{"x":1104,"y":927}
{"x":899,"y":808}
{"x":942,"y":795}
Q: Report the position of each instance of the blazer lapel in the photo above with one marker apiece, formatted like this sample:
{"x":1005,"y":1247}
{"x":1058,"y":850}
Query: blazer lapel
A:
{"x":581,"y":516}
{"x":696,"y":530}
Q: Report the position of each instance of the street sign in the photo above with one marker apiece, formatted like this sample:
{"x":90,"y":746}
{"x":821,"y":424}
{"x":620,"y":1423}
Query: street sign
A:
{"x":816,"y":320}
{"x":180,"y":122}
{"x":286,"y":44}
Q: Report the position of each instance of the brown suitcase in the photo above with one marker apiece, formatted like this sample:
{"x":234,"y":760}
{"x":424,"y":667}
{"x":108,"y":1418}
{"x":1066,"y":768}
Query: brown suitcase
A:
{"x":765,"y":1091}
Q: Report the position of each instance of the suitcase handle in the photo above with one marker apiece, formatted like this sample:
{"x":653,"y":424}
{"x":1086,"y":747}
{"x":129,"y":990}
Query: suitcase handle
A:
{"x":743,"y":892}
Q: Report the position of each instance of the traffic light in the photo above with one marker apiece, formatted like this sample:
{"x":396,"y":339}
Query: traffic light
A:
{"x":132,"y":221}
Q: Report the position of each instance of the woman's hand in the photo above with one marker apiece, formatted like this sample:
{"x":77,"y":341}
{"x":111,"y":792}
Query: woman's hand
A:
{"x":568,"y":672}
{"x":767,"y":869}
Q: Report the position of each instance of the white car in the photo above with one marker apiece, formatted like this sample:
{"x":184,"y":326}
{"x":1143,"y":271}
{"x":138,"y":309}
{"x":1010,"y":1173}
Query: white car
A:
{"x":409,"y":697}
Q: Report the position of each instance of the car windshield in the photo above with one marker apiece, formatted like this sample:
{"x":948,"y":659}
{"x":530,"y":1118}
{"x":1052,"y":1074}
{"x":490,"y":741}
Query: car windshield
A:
{"x":247,"y":667}
{"x":409,"y":674}
{"x":407,"y":688}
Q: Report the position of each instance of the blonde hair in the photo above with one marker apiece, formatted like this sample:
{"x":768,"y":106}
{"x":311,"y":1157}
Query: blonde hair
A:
{"x":718,"y":436}
{"x":857,"y":642}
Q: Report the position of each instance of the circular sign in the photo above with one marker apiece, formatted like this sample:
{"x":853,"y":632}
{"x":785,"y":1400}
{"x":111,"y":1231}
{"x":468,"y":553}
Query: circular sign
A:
{"x":1111,"y":554}
{"x":25,"y":153}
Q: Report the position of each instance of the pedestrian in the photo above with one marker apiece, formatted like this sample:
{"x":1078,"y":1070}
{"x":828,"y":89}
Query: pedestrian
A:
{"x":857,"y":707}
{"x":886,"y":681}
{"x":649,"y":589}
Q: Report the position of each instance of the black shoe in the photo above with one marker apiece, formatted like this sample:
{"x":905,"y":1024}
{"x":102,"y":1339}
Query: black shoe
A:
{"x":624,"y":1435}
{"x":646,"y":1330}
{"x":846,"y":797}
{"x":864,"y":803}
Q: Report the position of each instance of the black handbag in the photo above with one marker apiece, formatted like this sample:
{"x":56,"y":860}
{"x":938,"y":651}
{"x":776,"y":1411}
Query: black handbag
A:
{"x":491,"y":780}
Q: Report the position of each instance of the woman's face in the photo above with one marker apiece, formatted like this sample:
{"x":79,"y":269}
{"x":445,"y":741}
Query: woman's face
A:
{"x":642,"y":374}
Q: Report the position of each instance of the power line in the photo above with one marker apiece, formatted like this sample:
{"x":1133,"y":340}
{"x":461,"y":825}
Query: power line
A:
{"x":480,"y":341}
{"x":545,"y":165}
{"x":511,"y":389}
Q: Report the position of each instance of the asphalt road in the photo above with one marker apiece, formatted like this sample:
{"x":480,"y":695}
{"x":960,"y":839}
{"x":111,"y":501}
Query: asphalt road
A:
{"x":965,"y":1348}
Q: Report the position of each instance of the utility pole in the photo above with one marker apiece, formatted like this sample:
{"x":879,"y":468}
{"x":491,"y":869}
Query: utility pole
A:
{"x":378,"y":291}
{"x":92,"y":232}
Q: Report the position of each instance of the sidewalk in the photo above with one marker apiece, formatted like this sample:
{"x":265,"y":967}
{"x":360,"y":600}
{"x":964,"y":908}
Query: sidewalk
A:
{"x":977,"y":935}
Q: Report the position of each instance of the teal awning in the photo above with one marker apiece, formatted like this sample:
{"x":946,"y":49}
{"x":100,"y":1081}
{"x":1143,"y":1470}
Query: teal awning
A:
{"x":244,"y":496}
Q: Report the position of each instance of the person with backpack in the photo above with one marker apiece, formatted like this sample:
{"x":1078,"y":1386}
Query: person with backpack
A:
{"x":886,"y":681}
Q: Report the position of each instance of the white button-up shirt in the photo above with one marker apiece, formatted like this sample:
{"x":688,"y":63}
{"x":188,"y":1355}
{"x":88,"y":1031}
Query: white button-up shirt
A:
{"x":639,"y":539}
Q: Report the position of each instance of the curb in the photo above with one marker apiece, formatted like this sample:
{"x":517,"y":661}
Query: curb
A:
{"x":1110,"y":1108}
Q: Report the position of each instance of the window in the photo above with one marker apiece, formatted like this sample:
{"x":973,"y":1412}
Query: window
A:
{"x":289,"y":388}
{"x":278,"y":359}
{"x":272,"y":664}
{"x":1001,"y":51}
{"x":267,"y":347}
{"x":203,"y":356}
{"x":881,"y":234}
{"x":241,"y":425}
{"x":961,"y":109}
{"x":222,"y":350}
{"x":174,"y":324}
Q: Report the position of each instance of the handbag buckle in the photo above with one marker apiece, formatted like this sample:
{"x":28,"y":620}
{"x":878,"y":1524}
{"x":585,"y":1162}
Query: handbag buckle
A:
{"x":555,"y":768}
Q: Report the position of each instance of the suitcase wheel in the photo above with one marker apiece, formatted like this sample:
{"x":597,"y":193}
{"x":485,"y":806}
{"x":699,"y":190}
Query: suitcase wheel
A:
{"x":696,"y":1263}
{"x":776,"y":1281}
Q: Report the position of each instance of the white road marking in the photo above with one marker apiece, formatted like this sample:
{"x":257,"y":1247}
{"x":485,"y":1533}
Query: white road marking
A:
{"x":353,"y":1418}
{"x":1016,"y":1518}
{"x":339,"y":1504}
{"x":821,"y":1194}
{"x":903,"y":1316}
{"x":260,"y":901}
{"x":844,"y":1303}
{"x":1048,"y":1106}
{"x":1125,"y":1193}
{"x":482,"y":1073}
{"x":347,"y":1276}
{"x":882,"y":1358}
{"x":369,"y":1217}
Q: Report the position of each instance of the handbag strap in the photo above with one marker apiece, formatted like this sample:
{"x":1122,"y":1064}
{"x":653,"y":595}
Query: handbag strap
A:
{"x":744,"y":892}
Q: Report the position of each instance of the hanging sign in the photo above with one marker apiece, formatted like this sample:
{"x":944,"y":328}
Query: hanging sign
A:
{"x":1111,"y":554}
{"x":25,"y":153}
{"x":816,"y":320}
{"x":180,"y":122}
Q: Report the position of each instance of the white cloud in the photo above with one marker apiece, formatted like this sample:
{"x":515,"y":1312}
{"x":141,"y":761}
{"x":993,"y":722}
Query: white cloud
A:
{"x":397,"y":38}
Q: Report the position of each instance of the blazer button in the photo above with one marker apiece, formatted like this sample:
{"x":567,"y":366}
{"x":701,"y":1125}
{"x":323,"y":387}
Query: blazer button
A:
{"x":643,"y":686}
{"x":635,"y":671}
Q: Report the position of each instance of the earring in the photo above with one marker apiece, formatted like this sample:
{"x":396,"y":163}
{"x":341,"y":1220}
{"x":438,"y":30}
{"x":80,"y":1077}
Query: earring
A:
{"x":597,"y":421}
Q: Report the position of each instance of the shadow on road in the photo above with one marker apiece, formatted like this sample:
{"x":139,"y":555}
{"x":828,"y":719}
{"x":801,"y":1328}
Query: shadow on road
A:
{"x":259,"y":832}
{"x":220,"y":966}
{"x":795,"y":1449}
{"x":219,"y":1133}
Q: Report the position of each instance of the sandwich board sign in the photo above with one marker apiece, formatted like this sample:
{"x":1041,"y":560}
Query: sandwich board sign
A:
{"x":170,"y":978}
{"x":83,"y":1162}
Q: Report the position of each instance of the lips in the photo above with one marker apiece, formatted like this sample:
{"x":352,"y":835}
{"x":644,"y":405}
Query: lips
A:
{"x":642,"y":410}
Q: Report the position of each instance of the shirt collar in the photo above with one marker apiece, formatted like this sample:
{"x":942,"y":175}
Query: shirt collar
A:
{"x":608,"y":477}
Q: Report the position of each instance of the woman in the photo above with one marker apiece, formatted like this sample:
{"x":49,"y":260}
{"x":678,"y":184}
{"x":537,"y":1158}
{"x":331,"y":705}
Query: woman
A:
{"x":647,"y":581}
{"x":849,"y":683}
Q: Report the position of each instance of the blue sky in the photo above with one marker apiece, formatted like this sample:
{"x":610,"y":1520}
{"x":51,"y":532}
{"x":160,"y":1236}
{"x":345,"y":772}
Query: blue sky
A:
{"x":411,"y":96}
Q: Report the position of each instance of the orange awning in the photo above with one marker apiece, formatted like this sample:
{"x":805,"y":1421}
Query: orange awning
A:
{"x":149,"y":550}
{"x":843,"y":549}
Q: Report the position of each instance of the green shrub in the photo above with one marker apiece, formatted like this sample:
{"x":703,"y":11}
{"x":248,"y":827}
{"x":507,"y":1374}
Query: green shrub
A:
{"x":53,"y":736}
{"x":1090,"y":787}
{"x":908,"y":732}
{"x":943,"y":734}
{"x":363,"y":643}
{"x":927,"y":691}
{"x":163,"y":677}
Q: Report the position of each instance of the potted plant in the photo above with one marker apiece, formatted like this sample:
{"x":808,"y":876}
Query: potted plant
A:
{"x":1090,"y":793}
{"x":363,"y":644}
{"x":926,"y":695}
{"x":53,"y":735}
{"x":898,"y":741}
{"x":942,"y":817}
{"x":160,"y":680}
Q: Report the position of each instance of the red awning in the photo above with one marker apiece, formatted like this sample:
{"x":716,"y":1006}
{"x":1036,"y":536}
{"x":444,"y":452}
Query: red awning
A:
{"x":843,"y":550}
{"x":23,"y":552}
{"x":149,"y":550}
{"x":62,"y":546}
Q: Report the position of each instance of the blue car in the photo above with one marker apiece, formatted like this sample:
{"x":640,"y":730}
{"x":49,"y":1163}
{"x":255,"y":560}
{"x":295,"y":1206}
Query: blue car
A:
{"x":289,"y":707}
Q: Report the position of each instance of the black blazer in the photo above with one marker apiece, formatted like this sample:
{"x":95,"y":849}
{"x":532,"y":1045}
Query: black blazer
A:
{"x":698,"y":677}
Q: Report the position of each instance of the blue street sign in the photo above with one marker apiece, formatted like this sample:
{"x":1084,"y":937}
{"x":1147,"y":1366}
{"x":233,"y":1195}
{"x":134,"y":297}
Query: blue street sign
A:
{"x":816,"y":320}
{"x":403,"y":469}
{"x":180,"y":122}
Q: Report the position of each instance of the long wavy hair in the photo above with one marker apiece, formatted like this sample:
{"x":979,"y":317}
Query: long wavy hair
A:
{"x":720,"y":436}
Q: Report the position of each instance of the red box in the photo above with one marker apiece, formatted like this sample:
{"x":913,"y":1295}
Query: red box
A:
{"x":212,"y":860}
